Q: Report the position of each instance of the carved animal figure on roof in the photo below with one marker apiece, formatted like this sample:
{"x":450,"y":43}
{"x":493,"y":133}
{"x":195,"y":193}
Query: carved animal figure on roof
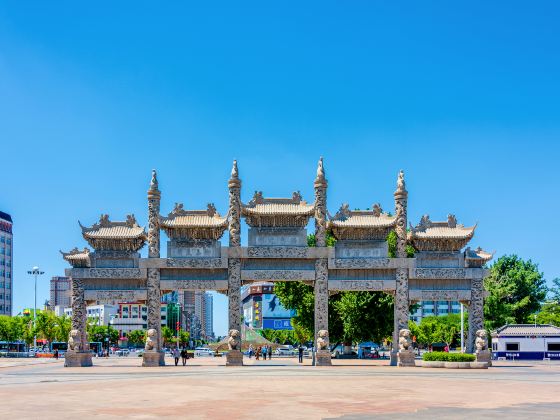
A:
{"x":323,"y":340}
{"x":234,"y":342}
{"x":405,"y":343}
{"x":150,"y":340}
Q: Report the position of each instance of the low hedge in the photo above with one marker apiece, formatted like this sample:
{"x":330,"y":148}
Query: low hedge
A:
{"x":441,"y":356}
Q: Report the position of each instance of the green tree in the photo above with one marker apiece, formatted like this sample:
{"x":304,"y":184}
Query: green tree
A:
{"x":516,"y":290}
{"x":549,"y":314}
{"x":136,"y":337}
{"x":167,"y":335}
{"x":301,"y":334}
{"x":63,"y":327}
{"x":554,"y":291}
{"x":47,"y":325}
{"x":184,"y":337}
{"x":100,"y":333}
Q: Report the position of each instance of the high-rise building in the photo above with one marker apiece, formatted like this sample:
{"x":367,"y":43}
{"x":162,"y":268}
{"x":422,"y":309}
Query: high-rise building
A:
{"x":61,"y":292}
{"x":6,"y":254}
{"x":208,"y":315}
{"x":197,"y":317}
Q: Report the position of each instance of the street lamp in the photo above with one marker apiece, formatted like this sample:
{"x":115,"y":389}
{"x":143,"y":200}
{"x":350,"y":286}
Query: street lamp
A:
{"x":35,"y":272}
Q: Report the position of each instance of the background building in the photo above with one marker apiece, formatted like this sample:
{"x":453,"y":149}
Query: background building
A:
{"x":61,"y":292}
{"x":262,"y":309}
{"x":6,"y":254}
{"x":435,"y":308}
{"x":197,"y":316}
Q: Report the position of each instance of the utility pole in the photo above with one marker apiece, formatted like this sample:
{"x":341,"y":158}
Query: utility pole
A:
{"x":35,"y":272}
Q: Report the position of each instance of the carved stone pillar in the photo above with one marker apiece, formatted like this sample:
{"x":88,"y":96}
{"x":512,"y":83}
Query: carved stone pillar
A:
{"x":153,"y":356}
{"x":401,"y":294}
{"x":476,"y":312}
{"x":234,"y":356}
{"x":323,"y":355}
{"x":78,"y":354}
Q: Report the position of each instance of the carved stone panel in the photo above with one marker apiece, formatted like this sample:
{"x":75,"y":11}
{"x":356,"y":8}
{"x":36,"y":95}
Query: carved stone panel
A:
{"x":169,"y":285}
{"x":153,"y":303}
{"x":439,"y":273}
{"x":278,"y":275}
{"x":362,"y":262}
{"x":112,"y":297}
{"x":234,"y":293}
{"x":105,"y":273}
{"x":321,"y":295}
{"x":362,"y":285}
{"x":278,"y":252}
{"x":195,"y":262}
{"x":476,"y":311}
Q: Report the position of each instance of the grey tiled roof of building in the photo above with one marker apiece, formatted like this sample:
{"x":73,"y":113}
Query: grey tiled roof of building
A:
{"x":527,"y":329}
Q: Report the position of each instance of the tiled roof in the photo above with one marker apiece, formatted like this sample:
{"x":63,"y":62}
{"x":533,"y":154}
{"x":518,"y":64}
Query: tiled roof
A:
{"x":528,"y":329}
{"x":180,"y":218}
{"x":427,"y":229}
{"x":478,"y":253}
{"x":362,"y":218}
{"x":278,"y":206}
{"x":77,"y":257}
{"x":106,"y":229}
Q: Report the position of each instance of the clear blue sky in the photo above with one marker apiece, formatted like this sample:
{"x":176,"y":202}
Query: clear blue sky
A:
{"x":464,"y":98}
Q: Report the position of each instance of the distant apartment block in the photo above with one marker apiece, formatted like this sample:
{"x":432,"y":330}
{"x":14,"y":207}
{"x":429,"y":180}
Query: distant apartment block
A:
{"x":6,"y":256}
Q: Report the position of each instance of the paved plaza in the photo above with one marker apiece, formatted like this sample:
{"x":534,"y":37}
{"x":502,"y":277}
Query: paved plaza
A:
{"x":350,"y":389}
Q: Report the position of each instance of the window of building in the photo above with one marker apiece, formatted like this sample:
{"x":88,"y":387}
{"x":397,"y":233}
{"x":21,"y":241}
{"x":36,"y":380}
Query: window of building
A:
{"x":553,"y":346}
{"x":8,"y":274}
{"x":125,"y":311}
{"x":494,"y":346}
{"x":512,"y":346}
{"x":134,"y":312}
{"x":9,"y":241}
{"x":8,"y":251}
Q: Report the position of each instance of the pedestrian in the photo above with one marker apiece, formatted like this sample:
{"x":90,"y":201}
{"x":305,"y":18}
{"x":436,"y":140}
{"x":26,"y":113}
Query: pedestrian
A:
{"x":184,"y":356}
{"x":264,"y":352}
{"x":300,"y":353}
{"x":176,"y":355}
{"x":56,"y":354}
{"x":258,"y":353}
{"x":250,"y":351}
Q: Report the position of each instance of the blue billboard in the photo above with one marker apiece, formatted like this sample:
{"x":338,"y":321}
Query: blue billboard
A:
{"x":271,"y":308}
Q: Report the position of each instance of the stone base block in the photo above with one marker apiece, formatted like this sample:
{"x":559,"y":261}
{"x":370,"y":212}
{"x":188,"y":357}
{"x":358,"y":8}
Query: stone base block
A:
{"x":484,"y":356}
{"x":323,"y":358}
{"x":394,"y":359}
{"x":77,"y":359}
{"x":153,"y":359}
{"x":234,"y":358}
{"x":406,"y":358}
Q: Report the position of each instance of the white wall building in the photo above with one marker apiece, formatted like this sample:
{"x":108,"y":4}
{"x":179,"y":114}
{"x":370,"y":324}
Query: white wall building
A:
{"x":100,"y":313}
{"x":527,"y":341}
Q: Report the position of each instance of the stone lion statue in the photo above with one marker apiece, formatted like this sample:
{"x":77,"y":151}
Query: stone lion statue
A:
{"x":150,"y":340}
{"x":405,"y":343}
{"x":481,"y":341}
{"x":322,"y":340}
{"x":74,"y":341}
{"x":234,"y":340}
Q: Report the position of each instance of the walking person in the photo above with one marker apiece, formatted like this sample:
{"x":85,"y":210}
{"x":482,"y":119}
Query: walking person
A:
{"x":251,"y":351}
{"x":258,"y":353}
{"x":176,"y":355}
{"x":264,"y":349}
{"x":184,"y":356}
{"x":300,"y":353}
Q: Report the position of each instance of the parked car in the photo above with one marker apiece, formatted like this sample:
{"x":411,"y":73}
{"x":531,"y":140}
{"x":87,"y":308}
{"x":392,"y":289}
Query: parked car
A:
{"x":203,"y":351}
{"x":122,"y":352}
{"x":287,"y":350}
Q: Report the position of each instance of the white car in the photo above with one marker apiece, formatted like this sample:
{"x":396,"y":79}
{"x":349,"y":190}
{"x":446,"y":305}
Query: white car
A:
{"x":285,"y":351}
{"x":203,"y":351}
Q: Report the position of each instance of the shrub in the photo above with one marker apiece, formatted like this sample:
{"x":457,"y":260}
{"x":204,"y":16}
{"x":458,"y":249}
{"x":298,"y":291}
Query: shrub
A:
{"x":441,"y":356}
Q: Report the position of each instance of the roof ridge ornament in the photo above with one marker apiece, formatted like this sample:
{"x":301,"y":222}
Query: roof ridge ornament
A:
{"x":377,"y":210}
{"x":131,"y":220}
{"x":343,"y":212}
{"x":320,"y":169}
{"x":451,"y":221}
{"x":296,"y":197}
{"x":211,"y":210}
{"x":104,"y":221}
